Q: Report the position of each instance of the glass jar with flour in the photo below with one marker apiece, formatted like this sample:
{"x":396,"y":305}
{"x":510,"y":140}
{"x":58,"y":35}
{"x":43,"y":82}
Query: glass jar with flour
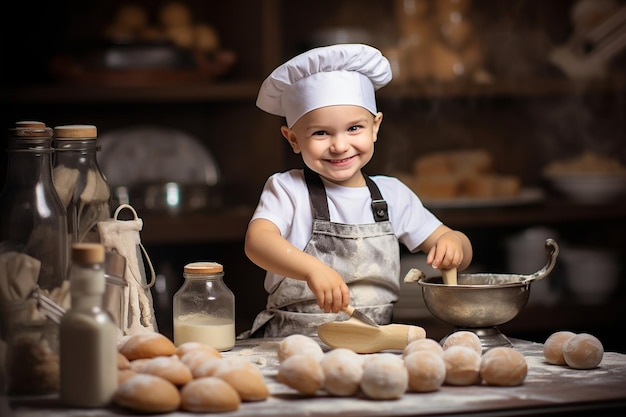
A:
{"x":204,"y":307}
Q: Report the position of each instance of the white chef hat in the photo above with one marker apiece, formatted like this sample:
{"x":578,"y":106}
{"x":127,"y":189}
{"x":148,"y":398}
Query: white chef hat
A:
{"x":344,"y":74}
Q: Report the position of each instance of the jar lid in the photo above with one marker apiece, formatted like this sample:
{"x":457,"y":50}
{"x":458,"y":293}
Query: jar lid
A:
{"x":201,"y":268}
{"x":88,"y":253}
{"x":75,"y":132}
{"x":30,"y":129}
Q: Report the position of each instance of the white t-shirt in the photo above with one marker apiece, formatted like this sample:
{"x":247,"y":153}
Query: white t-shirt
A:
{"x":285,"y":202}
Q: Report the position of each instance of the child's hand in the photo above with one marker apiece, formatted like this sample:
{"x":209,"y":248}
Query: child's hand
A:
{"x":447,"y":251}
{"x":330,"y":290}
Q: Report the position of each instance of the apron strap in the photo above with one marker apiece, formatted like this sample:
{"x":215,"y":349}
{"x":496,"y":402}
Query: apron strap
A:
{"x":317,"y":193}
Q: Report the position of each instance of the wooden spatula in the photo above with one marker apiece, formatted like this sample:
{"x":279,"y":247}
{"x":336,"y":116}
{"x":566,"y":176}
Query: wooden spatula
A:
{"x":362,"y":338}
{"x":449,"y":276}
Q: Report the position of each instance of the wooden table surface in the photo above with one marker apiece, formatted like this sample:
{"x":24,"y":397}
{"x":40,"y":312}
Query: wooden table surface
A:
{"x":547,"y":390}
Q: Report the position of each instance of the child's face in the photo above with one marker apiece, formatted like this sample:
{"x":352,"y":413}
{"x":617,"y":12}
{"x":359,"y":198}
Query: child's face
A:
{"x":336,"y":141}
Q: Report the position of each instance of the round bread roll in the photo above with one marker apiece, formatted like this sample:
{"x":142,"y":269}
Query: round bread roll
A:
{"x":147,"y":394}
{"x":421,"y":345}
{"x":503,"y":366}
{"x":209,"y":395}
{"x":124,"y":374}
{"x":303,"y":373}
{"x":137,"y":364}
{"x":208,"y":367}
{"x":147,"y":345}
{"x":193,"y":346}
{"x":296,"y":344}
{"x":343,"y":369}
{"x":245,"y":377}
{"x":462,"y":365}
{"x":384,"y":377}
{"x":195,"y":358}
{"x":122,"y":361}
{"x":427,"y":370}
{"x":169,"y":368}
{"x":583,"y":351}
{"x":553,"y":347}
{"x":464,"y":338}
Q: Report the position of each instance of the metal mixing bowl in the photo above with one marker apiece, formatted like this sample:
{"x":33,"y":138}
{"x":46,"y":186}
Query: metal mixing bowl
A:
{"x":483,"y":300}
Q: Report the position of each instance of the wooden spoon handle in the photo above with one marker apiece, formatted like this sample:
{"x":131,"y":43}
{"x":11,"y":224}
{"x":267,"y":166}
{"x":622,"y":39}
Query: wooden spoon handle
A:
{"x":449,"y":276}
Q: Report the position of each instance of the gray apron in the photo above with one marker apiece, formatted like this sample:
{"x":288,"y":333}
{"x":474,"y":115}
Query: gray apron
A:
{"x":367,"y":257}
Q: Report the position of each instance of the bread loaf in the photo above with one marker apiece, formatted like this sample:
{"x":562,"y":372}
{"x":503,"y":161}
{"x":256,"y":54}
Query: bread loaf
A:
{"x":146,"y":345}
{"x":209,"y":395}
{"x":147,"y":394}
{"x":245,"y":377}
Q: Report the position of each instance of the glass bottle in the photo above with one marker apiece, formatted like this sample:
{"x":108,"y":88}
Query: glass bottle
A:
{"x":87,"y":334}
{"x":33,"y":222}
{"x":204,"y":307}
{"x":79,"y":181}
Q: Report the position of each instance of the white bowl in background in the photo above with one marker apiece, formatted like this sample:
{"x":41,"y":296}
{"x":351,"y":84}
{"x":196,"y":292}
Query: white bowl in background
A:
{"x":592,"y":274}
{"x":589,"y":188}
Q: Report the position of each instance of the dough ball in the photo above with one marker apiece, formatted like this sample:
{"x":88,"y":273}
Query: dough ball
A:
{"x":462,"y":365}
{"x":296,"y":344}
{"x":343,"y":369}
{"x":553,"y":347}
{"x":583,"y":351}
{"x":503,"y":366}
{"x":427,"y":370}
{"x":209,"y":395}
{"x":195,"y":358}
{"x":169,"y":368}
{"x":206,"y":368}
{"x":124,"y":374}
{"x":245,"y":377}
{"x":193,"y":346}
{"x":137,"y":364}
{"x":464,"y":338}
{"x":421,"y":345}
{"x":122,"y":361}
{"x":147,"y":394}
{"x":384,"y":377}
{"x":146,"y":345}
{"x":302,"y":372}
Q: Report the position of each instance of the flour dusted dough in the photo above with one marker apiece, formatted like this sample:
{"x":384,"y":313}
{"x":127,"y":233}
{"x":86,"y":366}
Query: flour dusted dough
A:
{"x":193,"y":346}
{"x":124,"y":374}
{"x":302,"y":372}
{"x":245,"y":377}
{"x":462,"y":365}
{"x":423,"y":345}
{"x":343,"y":369}
{"x":299,"y":344}
{"x":553,"y":347}
{"x":146,"y":345}
{"x":427,"y":370}
{"x":208,"y":367}
{"x":169,"y":368}
{"x":384,"y":377}
{"x":195,"y":358}
{"x":209,"y":395}
{"x":503,"y":366}
{"x":583,"y":351}
{"x":147,"y":394}
{"x":464,"y":338}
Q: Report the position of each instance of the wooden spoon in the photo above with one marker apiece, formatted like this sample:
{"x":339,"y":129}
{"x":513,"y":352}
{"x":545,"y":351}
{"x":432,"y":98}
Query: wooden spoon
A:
{"x":449,"y":276}
{"x":363,"y":338}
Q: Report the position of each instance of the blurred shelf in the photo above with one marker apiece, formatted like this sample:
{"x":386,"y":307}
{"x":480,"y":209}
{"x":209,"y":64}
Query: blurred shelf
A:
{"x":247,"y":91}
{"x":229,"y":224}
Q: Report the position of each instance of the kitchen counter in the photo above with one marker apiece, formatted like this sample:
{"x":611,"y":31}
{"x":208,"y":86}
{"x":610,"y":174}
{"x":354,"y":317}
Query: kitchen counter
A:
{"x":547,"y":390}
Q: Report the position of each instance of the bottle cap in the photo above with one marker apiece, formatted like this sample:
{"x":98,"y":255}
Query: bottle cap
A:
{"x":88,"y":253}
{"x":75,"y":132}
{"x":203,"y":268}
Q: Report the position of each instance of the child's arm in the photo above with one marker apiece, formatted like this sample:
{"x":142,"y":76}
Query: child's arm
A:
{"x":269,"y":250}
{"x":447,"y":248}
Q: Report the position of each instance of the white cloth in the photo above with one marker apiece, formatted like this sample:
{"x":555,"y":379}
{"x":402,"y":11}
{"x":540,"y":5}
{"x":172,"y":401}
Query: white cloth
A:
{"x":285,"y":202}
{"x":345,"y":74}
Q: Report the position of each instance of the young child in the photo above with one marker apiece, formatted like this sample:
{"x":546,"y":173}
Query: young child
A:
{"x":328,"y":235}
